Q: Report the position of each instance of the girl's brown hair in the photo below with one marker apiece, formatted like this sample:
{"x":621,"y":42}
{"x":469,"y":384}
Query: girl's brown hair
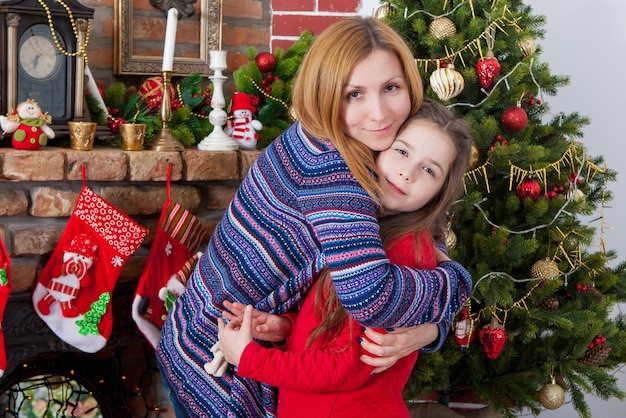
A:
{"x":431,"y":216}
{"x":318,"y":90}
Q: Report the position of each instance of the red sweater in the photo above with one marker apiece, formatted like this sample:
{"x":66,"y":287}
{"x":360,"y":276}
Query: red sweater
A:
{"x":330,"y":380}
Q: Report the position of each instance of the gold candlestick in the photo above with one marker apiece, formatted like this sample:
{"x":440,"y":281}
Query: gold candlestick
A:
{"x":165,"y":141}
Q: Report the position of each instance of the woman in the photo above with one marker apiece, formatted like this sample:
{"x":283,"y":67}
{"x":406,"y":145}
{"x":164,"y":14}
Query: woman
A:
{"x":309,"y":200}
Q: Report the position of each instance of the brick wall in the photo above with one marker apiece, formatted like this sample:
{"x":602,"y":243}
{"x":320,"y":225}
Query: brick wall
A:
{"x":38,"y":190}
{"x":265,"y":24}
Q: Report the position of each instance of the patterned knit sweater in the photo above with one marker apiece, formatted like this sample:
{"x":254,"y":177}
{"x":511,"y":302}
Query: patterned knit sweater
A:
{"x":297,"y":209}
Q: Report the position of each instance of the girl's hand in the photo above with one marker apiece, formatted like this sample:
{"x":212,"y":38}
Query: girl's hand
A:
{"x":441,"y":256}
{"x":265,"y":326}
{"x":235,"y":336}
{"x":387,"y":349}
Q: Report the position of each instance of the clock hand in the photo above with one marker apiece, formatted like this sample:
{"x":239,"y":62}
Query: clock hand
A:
{"x":35,"y":61}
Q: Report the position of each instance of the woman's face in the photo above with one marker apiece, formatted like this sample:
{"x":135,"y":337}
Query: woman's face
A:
{"x":376,"y":100}
{"x":413,"y":170}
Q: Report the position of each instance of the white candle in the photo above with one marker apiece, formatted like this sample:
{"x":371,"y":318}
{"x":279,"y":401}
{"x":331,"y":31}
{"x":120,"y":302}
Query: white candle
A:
{"x":92,"y":87}
{"x":218,"y":59}
{"x":170,"y":39}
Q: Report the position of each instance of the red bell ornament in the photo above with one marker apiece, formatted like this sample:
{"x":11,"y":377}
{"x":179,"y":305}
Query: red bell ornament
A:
{"x":514,"y":119}
{"x":529,"y":187}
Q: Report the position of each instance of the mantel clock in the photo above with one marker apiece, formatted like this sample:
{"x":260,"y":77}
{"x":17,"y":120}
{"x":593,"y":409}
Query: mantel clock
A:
{"x":44,"y":60}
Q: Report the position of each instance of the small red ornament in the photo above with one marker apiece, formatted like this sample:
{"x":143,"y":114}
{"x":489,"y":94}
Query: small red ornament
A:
{"x":529,"y":187}
{"x":493,"y":337}
{"x":265,"y":61}
{"x":487,"y":70}
{"x":514,"y":118}
{"x":152,"y":92}
{"x":464,"y":330}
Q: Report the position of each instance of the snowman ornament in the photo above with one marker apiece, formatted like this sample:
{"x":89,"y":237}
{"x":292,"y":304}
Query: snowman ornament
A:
{"x":242,"y":127}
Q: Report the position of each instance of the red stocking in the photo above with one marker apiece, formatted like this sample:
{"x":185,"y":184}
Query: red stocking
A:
{"x":172,"y":256}
{"x":5,"y":291}
{"x":73,"y":293}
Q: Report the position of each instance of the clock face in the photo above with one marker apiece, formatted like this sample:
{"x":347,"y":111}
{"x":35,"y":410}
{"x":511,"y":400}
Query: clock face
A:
{"x":42,"y":70}
{"x":38,"y":56}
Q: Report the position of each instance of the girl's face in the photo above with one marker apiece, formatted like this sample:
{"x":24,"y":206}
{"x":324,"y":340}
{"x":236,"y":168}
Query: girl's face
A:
{"x":413,"y":170}
{"x":376,"y":100}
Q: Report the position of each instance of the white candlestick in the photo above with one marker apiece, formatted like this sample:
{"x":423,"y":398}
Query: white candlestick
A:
{"x":218,"y":59}
{"x":92,"y":87}
{"x":170,"y":39}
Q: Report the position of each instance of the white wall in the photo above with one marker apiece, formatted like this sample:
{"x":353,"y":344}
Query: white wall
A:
{"x":587,"y":42}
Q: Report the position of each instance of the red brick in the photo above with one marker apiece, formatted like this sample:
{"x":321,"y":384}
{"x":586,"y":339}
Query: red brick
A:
{"x":243,"y":36}
{"x":293,"y":5}
{"x":23,"y":276}
{"x":219,"y":196}
{"x":243,"y":9}
{"x":338,"y":5}
{"x":12,"y":202}
{"x":294,"y":25}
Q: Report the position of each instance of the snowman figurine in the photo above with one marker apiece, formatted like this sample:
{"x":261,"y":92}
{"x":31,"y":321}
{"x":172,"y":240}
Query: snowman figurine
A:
{"x":242,"y":127}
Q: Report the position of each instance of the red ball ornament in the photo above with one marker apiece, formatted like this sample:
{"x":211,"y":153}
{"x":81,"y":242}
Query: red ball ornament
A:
{"x":152,"y":92}
{"x":514,"y":119}
{"x":493,"y":337}
{"x":265,"y":61}
{"x":487,"y":70}
{"x":529,"y":187}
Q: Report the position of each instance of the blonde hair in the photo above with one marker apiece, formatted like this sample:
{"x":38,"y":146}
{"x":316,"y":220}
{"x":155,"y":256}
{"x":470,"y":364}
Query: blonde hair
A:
{"x":323,"y":74}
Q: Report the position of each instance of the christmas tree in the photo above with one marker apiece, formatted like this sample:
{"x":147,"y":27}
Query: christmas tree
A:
{"x":539,"y":321}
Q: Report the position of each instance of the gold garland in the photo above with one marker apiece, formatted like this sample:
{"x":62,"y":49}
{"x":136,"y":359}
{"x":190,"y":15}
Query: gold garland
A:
{"x":473,"y":45}
{"x":268,"y":96}
{"x":82,"y":49}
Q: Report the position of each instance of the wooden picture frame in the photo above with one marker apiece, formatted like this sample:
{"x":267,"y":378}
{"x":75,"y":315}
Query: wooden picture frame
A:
{"x":139,"y":37}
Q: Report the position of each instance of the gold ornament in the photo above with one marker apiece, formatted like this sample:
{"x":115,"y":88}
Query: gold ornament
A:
{"x":545,"y":269}
{"x":442,"y":28}
{"x":383,"y":11}
{"x":575,"y":195}
{"x":551,"y":396}
{"x":475,"y":156}
{"x":447,"y":82}
{"x":528,"y":47}
{"x":450,"y":238}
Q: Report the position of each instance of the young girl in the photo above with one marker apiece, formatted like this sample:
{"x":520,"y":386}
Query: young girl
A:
{"x":320,"y":375}
{"x":309,"y":201}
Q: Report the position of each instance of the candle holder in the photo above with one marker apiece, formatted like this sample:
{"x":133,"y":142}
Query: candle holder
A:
{"x":165,"y":141}
{"x":218,"y":140}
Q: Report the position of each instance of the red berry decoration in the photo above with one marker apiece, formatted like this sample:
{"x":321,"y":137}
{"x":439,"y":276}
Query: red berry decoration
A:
{"x":487,"y":70}
{"x":529,"y":187}
{"x":265,"y":61}
{"x":514,"y":119}
{"x":493,"y":337}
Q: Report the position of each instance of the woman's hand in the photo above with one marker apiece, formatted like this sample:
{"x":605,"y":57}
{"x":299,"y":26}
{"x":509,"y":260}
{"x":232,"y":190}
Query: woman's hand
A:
{"x":265,"y":326}
{"x":235,"y":336}
{"x":388,"y":348}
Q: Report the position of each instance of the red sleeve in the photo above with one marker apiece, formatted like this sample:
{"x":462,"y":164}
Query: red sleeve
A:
{"x":333,"y":368}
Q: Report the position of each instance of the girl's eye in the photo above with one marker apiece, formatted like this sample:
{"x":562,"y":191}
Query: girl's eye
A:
{"x":429,"y":170}
{"x":401,"y":151}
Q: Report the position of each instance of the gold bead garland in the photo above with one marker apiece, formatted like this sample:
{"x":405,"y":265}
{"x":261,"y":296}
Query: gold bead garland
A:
{"x":267,"y":96}
{"x":81,"y":48}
